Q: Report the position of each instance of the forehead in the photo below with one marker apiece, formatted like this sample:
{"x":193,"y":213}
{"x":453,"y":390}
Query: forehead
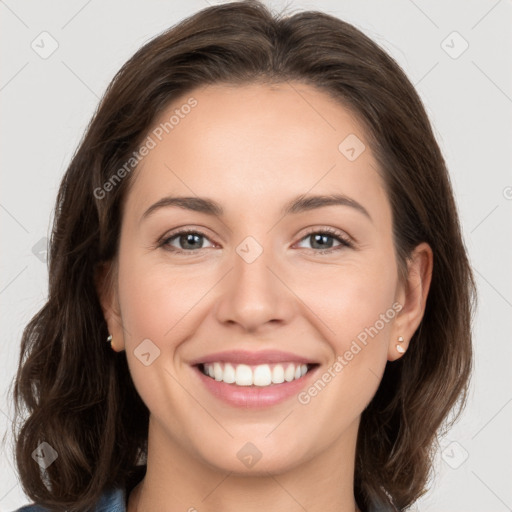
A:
{"x":246,"y":144}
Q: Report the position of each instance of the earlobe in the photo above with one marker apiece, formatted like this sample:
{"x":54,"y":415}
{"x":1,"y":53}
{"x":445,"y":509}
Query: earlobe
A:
{"x":397,"y":348}
{"x":413,"y":294}
{"x":104,"y":279}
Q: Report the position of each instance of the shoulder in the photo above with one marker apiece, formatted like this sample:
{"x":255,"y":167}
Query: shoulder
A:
{"x":112,"y":500}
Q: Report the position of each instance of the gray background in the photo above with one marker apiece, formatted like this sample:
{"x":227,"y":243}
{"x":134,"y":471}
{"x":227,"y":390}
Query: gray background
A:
{"x":47,"y":102}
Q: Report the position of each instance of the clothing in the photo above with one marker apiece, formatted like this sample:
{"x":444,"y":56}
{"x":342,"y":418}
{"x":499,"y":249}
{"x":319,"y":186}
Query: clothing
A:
{"x":113,"y":500}
{"x":116,"y":500}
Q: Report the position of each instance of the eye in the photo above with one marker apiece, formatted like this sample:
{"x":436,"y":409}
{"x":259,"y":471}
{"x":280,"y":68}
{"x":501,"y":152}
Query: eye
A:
{"x":187,"y":240}
{"x":322,"y":239}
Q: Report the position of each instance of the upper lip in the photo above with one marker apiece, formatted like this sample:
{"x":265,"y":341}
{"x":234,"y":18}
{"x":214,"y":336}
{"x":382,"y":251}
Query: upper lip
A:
{"x":253,"y":358}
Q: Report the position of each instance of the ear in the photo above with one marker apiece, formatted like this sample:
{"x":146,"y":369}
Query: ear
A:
{"x":106,"y":288}
{"x":412,"y":295}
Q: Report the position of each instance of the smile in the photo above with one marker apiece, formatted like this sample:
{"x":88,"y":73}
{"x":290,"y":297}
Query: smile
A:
{"x":261,"y":375}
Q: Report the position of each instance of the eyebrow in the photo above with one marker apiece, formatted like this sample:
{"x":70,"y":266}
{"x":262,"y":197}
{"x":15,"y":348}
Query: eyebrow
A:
{"x":299,"y":204}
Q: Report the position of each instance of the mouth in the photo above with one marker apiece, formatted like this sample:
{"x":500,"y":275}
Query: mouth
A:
{"x":261,"y":375}
{"x":254,"y":386}
{"x":254,"y":379}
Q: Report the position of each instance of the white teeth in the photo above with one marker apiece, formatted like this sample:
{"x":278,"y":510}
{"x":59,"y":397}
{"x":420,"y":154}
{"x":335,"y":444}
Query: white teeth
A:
{"x":260,"y":375}
{"x":289,"y":373}
{"x":217,"y":371}
{"x":278,"y":374}
{"x":229,"y":374}
{"x":243,"y":375}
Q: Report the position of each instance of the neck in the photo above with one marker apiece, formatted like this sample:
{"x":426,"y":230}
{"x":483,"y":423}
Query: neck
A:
{"x":177,"y":481}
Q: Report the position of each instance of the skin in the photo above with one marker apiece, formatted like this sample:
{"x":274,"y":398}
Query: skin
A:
{"x":252,"y":148}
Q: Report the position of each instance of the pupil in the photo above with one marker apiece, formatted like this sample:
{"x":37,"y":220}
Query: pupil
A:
{"x":321,"y":238}
{"x":189,"y":237}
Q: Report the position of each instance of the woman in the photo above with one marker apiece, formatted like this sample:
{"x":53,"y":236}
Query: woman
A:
{"x":246,"y":369}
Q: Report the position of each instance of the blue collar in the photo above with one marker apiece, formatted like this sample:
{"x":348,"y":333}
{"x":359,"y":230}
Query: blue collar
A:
{"x":112,"y":500}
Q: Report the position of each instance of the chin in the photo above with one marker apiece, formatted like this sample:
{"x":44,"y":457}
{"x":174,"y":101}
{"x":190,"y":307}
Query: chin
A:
{"x":253,"y":456}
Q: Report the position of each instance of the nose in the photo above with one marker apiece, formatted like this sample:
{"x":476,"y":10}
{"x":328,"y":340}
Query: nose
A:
{"x":254,"y":295}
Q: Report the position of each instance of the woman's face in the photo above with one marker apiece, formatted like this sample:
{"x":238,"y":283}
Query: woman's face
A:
{"x":312,"y":284}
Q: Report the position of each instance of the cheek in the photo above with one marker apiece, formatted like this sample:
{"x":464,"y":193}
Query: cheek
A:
{"x":156,"y":304}
{"x":357,"y":307}
{"x":154,"y":300}
{"x":351,"y":298}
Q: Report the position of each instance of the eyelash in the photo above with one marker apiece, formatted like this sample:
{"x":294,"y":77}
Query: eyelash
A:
{"x":344,"y":241}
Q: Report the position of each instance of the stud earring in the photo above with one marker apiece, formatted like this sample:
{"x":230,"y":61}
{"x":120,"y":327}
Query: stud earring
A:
{"x":109,"y":340}
{"x":399,"y":348}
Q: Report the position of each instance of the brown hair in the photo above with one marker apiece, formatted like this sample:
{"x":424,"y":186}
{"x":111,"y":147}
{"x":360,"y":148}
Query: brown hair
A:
{"x":79,"y":394}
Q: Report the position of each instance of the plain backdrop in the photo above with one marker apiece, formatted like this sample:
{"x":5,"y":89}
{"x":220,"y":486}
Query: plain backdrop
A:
{"x":457,"y":54}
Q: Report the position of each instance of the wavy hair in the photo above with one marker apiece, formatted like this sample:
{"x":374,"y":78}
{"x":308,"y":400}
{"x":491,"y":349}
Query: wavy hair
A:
{"x":78,"y":394}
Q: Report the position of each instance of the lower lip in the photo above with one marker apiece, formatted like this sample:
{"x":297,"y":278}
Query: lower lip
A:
{"x":255,"y":396}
